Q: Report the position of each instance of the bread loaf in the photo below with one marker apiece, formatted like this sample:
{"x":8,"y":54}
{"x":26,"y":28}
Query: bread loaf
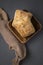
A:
{"x":22,"y":23}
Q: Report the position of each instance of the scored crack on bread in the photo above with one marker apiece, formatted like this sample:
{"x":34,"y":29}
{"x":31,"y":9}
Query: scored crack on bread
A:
{"x":22,"y":23}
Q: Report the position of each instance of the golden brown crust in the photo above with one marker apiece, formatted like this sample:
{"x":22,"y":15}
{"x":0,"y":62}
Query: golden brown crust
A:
{"x":22,"y":23}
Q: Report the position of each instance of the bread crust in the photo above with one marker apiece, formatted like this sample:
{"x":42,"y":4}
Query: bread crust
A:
{"x":22,"y":23}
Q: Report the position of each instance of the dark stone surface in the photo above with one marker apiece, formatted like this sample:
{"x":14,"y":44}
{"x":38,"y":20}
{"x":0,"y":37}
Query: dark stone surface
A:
{"x":35,"y":45}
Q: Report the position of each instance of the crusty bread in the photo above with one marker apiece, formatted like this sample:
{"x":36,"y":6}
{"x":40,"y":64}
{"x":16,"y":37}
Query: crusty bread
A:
{"x":22,"y":23}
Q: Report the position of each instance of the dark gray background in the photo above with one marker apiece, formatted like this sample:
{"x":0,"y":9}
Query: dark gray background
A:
{"x":35,"y":45}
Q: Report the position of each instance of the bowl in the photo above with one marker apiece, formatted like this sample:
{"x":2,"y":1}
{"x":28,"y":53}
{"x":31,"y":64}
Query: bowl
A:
{"x":35,"y":23}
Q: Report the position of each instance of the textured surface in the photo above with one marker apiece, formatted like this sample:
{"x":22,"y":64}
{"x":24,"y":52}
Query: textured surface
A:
{"x":22,"y":23}
{"x":35,"y":45}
